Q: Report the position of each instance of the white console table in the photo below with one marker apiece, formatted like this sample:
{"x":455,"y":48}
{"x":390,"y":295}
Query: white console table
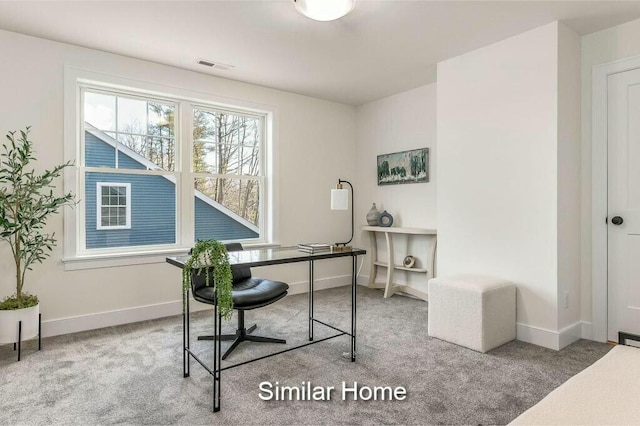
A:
{"x":390,"y":287}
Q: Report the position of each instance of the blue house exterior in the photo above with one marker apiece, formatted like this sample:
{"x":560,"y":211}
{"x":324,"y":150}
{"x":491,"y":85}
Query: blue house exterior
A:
{"x":153,"y":203}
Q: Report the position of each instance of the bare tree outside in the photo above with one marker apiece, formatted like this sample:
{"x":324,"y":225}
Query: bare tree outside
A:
{"x":229,"y":144}
{"x":155,"y":139}
{"x":161,"y":135}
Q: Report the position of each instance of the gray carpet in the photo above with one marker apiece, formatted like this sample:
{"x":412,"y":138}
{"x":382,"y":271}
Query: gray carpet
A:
{"x":132,"y":374}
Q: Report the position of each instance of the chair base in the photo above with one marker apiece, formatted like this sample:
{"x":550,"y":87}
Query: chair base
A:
{"x":242,"y":334}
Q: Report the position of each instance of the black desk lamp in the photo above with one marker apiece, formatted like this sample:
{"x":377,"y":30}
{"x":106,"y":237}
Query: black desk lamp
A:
{"x":340,"y":201}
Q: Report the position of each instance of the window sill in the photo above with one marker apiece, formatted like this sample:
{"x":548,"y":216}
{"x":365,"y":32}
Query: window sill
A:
{"x":130,"y":259}
{"x":118,"y":259}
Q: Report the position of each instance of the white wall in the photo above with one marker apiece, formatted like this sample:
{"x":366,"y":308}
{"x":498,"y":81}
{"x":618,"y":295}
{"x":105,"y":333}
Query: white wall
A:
{"x":396,"y":123}
{"x":622,"y":41}
{"x":315,"y":144}
{"x":569,"y":238}
{"x":498,"y":180}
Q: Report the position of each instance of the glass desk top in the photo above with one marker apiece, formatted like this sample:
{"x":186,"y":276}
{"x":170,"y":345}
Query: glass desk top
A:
{"x":273,"y":256}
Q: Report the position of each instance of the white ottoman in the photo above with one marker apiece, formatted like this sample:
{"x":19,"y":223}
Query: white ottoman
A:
{"x":472,"y":311}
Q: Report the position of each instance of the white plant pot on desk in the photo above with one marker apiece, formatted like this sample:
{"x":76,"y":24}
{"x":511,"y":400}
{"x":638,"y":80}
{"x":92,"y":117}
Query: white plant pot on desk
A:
{"x":9,"y":321}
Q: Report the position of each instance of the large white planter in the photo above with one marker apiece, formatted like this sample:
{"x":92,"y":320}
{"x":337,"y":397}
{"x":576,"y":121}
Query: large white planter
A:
{"x":9,"y":324}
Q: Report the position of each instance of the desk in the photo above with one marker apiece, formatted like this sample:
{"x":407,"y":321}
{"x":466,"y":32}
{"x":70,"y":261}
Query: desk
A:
{"x":265,"y":257}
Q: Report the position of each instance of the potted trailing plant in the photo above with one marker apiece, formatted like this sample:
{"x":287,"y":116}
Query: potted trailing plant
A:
{"x":26,"y":203}
{"x":206,"y":257}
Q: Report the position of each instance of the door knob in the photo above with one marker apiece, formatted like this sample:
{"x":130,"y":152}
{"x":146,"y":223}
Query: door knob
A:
{"x":617,"y":220}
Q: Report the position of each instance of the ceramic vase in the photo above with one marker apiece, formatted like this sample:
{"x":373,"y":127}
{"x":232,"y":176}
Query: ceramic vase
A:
{"x":385,"y":219}
{"x":372,"y":216}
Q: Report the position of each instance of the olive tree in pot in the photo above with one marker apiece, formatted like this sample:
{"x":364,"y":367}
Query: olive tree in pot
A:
{"x":26,"y":203}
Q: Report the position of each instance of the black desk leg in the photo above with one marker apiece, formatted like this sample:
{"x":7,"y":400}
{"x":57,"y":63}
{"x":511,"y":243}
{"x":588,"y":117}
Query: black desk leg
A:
{"x":354,"y":263}
{"x":19,"y":338}
{"x":311,"y":300}
{"x":217,"y":360}
{"x":39,"y":331}
{"x":186,"y":359}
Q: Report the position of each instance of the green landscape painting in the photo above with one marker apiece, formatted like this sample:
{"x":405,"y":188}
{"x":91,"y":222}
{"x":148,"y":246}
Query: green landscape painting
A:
{"x":404,"y":167}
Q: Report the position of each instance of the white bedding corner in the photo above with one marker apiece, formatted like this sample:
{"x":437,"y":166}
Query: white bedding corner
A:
{"x":605,"y":393}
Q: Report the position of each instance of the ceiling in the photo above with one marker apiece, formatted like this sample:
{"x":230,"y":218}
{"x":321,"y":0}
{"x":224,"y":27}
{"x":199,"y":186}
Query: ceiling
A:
{"x":381,"y":48}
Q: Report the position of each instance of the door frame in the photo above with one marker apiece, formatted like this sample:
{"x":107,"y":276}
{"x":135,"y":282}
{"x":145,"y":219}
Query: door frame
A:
{"x":599,"y":191}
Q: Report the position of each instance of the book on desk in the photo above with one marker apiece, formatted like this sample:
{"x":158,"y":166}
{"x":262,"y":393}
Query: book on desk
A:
{"x":314,"y":247}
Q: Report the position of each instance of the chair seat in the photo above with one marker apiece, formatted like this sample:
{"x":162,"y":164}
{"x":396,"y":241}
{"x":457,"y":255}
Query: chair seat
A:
{"x":249,"y":293}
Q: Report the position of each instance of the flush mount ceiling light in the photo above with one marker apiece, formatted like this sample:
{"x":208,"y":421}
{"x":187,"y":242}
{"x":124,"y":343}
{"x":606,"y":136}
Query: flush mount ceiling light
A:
{"x":324,"y":10}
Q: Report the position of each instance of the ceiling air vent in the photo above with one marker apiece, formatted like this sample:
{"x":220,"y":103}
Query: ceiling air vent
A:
{"x":215,"y":65}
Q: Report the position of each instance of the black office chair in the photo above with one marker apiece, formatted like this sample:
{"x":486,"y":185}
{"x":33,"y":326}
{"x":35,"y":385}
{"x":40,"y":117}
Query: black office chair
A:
{"x":248,"y":293}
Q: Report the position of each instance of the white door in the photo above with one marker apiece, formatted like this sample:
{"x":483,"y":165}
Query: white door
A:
{"x":624,"y":203}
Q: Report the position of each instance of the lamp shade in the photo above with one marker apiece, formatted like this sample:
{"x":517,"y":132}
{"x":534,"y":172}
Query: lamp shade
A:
{"x":339,"y":199}
{"x":324,"y":10}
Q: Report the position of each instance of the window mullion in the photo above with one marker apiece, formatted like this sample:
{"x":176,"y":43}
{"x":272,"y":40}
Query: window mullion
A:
{"x":81,"y":230}
{"x":116,"y":132}
{"x":186,"y":207}
{"x":262,"y":194}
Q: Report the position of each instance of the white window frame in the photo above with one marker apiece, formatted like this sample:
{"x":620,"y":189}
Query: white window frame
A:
{"x":99,"y":205}
{"x":76,"y":256}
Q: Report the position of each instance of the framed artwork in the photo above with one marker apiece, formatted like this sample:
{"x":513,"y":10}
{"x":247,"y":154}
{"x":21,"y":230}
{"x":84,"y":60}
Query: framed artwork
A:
{"x":404,"y":167}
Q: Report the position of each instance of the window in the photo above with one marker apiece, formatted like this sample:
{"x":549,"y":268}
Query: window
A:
{"x":114,"y":206}
{"x":131,"y":140}
{"x":146,"y":184}
{"x":227,"y":171}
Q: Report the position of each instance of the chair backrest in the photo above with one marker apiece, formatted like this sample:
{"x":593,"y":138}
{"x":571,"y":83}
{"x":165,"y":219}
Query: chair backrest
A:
{"x":240,"y":273}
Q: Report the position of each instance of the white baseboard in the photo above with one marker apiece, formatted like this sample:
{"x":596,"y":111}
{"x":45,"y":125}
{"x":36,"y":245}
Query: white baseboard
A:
{"x":526,"y":333}
{"x":143,"y":313}
{"x":587,"y":330}
{"x":320,"y":284}
{"x":108,"y":319}
{"x":570,"y":334}
{"x":537,"y":336}
{"x":553,"y":339}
